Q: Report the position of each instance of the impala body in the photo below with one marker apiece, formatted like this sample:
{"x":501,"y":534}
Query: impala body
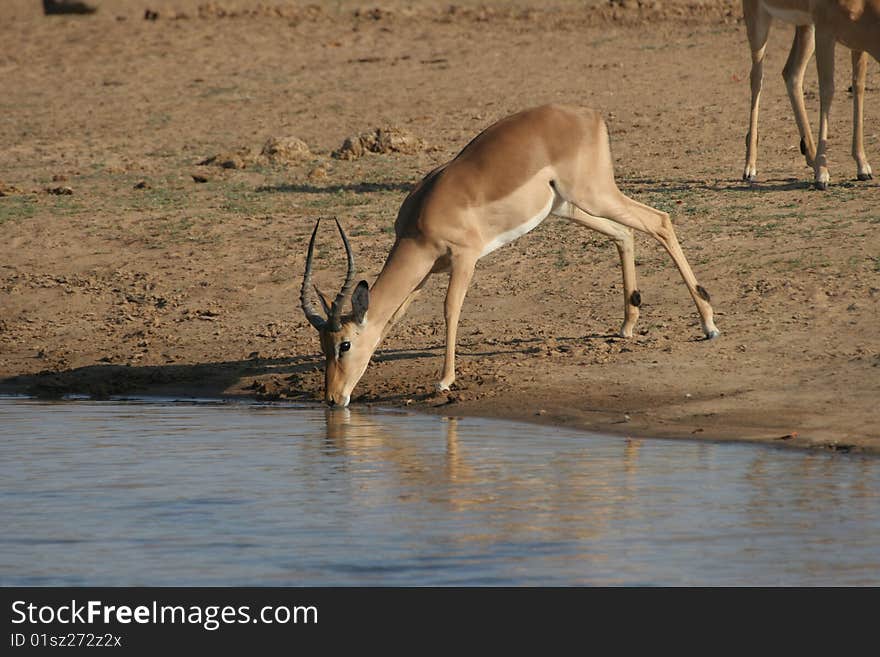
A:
{"x":547,"y":160}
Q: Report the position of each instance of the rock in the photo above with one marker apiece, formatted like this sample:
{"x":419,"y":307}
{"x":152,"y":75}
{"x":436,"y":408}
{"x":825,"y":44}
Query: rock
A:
{"x":352,"y":148}
{"x":7,"y":190}
{"x":317,"y":174}
{"x":379,"y":140}
{"x":285,"y":149}
{"x":59,"y":191}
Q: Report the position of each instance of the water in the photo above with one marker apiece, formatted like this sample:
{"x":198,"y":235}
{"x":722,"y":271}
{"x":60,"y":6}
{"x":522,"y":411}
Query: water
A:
{"x":163,"y":493}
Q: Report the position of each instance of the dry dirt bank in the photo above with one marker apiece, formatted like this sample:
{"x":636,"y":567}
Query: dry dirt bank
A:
{"x":142,"y":279}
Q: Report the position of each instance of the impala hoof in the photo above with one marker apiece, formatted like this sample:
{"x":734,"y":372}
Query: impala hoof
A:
{"x":821,"y":185}
{"x":750,"y":178}
{"x":714,"y":333}
{"x":865,"y":176}
{"x":443,"y":387}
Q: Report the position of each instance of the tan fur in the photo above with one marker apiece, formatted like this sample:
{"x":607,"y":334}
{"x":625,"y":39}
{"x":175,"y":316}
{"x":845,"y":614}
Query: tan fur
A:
{"x":758,"y":15}
{"x":551,"y":156}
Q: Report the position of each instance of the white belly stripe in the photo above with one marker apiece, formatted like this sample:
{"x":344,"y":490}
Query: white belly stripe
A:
{"x":789,"y":15}
{"x":519,"y":231}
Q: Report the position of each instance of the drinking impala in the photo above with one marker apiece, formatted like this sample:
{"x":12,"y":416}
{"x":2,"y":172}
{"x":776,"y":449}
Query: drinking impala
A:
{"x":547,"y":160}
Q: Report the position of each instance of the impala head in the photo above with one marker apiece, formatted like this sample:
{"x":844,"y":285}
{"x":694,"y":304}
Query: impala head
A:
{"x":347,"y":354}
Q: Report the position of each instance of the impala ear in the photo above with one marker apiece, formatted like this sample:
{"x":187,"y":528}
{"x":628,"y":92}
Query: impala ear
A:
{"x":360,"y":301}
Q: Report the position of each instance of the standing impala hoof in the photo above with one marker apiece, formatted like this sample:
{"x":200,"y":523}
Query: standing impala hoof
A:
{"x":443,"y":387}
{"x":866,"y":176}
{"x":714,"y":333}
{"x":821,"y":185}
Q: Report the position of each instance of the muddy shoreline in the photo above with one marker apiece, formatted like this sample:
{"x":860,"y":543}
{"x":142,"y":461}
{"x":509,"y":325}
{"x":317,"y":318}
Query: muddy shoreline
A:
{"x":104,"y":385}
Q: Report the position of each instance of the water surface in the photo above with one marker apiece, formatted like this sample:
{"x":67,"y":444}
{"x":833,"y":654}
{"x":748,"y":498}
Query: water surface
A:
{"x":165,"y":493}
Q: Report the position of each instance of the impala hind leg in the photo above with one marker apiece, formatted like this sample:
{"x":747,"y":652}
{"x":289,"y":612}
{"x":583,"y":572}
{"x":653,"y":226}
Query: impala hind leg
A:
{"x":460,"y":274}
{"x":623,"y":240}
{"x":793,"y":73}
{"x":624,"y":210}
{"x":859,"y":70}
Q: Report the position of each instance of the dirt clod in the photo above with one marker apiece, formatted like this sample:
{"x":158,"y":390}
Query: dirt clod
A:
{"x":285,"y":149}
{"x":379,"y":140}
{"x":229,"y":160}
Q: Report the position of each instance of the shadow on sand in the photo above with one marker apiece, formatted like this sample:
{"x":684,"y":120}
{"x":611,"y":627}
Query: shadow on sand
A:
{"x":293,"y":378}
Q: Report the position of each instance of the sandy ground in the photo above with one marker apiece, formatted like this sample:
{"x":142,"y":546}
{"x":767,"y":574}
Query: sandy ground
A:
{"x":120,"y":273}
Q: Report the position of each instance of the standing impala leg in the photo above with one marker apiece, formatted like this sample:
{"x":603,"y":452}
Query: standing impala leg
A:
{"x":859,"y":70}
{"x":758,"y":28}
{"x":793,"y":73}
{"x":462,"y":270}
{"x":825,"y":43}
{"x":623,"y":240}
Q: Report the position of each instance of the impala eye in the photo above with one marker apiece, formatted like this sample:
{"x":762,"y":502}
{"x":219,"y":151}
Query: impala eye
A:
{"x":344,"y":346}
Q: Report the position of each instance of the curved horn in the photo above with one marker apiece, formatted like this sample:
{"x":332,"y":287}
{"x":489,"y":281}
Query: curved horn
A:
{"x":312,"y":315}
{"x":336,"y":308}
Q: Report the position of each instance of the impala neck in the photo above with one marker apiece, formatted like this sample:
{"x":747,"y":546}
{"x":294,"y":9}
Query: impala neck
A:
{"x":406,"y":267}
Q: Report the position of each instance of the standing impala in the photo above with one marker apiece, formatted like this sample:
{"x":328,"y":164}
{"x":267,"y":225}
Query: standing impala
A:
{"x":856,"y":24}
{"x":758,"y":15}
{"x":547,"y":160}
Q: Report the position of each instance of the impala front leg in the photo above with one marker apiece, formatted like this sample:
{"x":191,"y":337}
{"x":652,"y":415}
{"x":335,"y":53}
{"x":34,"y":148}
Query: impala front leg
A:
{"x":859,"y":69}
{"x":758,"y":29}
{"x":459,"y":280}
{"x":825,"y":64}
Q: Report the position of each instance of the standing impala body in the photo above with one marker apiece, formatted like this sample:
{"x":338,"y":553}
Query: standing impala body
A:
{"x":758,"y":15}
{"x":546,"y":160}
{"x":856,"y":24}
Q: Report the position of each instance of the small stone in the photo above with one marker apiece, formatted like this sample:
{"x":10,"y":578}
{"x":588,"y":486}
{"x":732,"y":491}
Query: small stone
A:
{"x":318,"y":173}
{"x":59,"y":191}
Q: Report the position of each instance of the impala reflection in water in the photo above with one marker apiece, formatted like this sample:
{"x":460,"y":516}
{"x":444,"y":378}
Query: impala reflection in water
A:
{"x":161,"y":493}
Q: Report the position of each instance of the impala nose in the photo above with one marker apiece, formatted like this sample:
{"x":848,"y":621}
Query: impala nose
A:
{"x":342,"y":403}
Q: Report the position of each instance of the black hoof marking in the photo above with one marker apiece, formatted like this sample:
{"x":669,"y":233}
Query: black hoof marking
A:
{"x":803,"y":146}
{"x":635,"y":299}
{"x":821,"y":186}
{"x":865,"y":176}
{"x":703,"y":294}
